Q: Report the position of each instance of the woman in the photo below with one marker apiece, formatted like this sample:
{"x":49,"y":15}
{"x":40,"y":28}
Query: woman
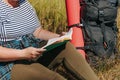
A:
{"x":20,"y":35}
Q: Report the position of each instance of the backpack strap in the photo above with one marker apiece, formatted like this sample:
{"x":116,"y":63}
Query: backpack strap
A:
{"x":75,"y":25}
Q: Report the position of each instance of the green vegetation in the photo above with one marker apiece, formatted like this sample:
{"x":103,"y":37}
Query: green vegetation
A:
{"x":52,"y":15}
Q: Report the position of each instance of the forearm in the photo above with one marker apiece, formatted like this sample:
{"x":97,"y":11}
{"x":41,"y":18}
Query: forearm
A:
{"x":7,"y":54}
{"x":44,"y":34}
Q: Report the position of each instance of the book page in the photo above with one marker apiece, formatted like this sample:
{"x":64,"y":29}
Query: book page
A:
{"x":67,"y":36}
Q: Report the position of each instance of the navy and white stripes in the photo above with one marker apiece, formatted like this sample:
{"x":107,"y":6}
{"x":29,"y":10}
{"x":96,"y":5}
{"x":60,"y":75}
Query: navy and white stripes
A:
{"x":15,"y":22}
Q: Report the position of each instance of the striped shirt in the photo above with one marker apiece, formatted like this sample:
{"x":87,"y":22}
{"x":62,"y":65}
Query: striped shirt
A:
{"x":14,"y":23}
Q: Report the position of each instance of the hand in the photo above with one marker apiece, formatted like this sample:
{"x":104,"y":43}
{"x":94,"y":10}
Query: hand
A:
{"x":63,"y":33}
{"x":31,"y":52}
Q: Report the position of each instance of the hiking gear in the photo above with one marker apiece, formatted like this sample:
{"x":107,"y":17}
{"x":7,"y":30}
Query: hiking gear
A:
{"x":99,"y":26}
{"x":73,"y":10}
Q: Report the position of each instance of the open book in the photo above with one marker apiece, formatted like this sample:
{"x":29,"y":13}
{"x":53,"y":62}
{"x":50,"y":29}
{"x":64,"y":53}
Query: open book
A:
{"x":67,"y":36}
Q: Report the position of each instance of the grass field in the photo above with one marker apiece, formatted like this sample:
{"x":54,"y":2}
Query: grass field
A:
{"x":52,"y":14}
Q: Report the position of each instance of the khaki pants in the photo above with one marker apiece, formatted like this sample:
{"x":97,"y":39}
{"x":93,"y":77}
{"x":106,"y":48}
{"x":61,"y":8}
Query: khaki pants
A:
{"x":69,"y":56}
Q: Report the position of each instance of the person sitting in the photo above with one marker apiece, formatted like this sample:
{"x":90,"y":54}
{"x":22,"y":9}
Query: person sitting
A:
{"x":21,"y":36}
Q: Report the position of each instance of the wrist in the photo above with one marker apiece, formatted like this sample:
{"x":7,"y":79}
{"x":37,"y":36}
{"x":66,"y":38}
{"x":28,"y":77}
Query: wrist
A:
{"x":20,"y":54}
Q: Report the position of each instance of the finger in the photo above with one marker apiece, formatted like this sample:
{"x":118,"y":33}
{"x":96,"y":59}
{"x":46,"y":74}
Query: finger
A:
{"x":63,"y":33}
{"x":36,"y":54}
{"x":41,"y":50}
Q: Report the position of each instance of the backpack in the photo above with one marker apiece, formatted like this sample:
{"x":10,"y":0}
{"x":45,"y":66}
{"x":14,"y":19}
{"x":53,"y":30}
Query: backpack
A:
{"x":99,"y":26}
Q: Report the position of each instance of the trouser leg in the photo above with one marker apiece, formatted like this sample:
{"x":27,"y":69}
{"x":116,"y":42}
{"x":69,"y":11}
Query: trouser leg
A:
{"x":34,"y":71}
{"x":75,"y":62}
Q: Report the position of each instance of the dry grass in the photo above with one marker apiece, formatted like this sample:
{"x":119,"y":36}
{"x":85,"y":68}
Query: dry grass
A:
{"x":118,"y":18}
{"x":52,"y":14}
{"x":53,"y":17}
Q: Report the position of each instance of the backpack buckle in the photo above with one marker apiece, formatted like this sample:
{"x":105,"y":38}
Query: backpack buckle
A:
{"x":101,"y":15}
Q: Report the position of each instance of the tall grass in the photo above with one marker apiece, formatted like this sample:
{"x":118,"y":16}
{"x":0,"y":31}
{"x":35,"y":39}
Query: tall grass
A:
{"x":52,"y":14}
{"x":118,"y":24}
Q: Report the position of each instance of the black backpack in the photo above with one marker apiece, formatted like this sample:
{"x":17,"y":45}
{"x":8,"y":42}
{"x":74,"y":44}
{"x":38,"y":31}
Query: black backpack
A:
{"x":99,"y":26}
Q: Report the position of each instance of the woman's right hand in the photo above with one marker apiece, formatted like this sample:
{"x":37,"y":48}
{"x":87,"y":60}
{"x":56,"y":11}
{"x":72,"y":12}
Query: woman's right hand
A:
{"x":31,"y":53}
